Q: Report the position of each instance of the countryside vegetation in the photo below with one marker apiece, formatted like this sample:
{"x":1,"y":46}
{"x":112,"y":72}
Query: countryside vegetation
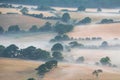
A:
{"x":59,"y":40}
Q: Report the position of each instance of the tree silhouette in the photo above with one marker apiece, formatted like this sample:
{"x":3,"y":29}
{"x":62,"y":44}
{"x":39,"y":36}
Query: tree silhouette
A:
{"x":96,"y":73}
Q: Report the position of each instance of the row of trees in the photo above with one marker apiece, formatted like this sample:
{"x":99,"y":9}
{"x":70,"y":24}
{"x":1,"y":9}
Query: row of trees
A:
{"x":31,"y":52}
{"x":59,"y":28}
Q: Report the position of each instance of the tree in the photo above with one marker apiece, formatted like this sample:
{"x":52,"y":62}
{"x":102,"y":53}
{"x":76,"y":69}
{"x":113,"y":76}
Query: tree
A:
{"x":46,"y":27}
{"x":2,"y":48}
{"x":1,"y":30}
{"x":80,"y":59}
{"x":46,"y":67}
{"x":65,"y":17}
{"x":86,"y":20}
{"x":96,"y":73}
{"x":99,"y":10}
{"x":57,"y":47}
{"x":33,"y":28}
{"x":24,"y":10}
{"x":11,"y":51}
{"x":31,"y":79}
{"x":104,"y":44}
{"x":81,"y":8}
{"x":105,"y":60}
{"x":44,"y":8}
{"x":13,"y":29}
{"x":63,"y":28}
{"x":57,"y":56}
{"x":103,"y":21}
{"x":32,"y":53}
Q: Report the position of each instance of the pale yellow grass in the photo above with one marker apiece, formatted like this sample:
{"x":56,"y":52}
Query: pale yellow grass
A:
{"x":25,"y":22}
{"x":9,"y":10}
{"x":106,"y":31}
{"x":15,"y":69}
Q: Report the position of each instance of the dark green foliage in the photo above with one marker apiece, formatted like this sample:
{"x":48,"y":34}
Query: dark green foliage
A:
{"x":60,"y":38}
{"x":104,"y":44}
{"x":57,"y":56}
{"x":46,"y":27}
{"x":44,"y":68}
{"x":63,"y":28}
{"x":99,"y":10}
{"x":106,"y":21}
{"x":105,"y":61}
{"x":33,"y":53}
{"x":2,"y":48}
{"x":1,"y":30}
{"x":31,"y":79}
{"x":44,"y":8}
{"x":81,"y":8}
{"x":57,"y":47}
{"x":33,"y":29}
{"x":80,"y":59}
{"x":65,"y":17}
{"x":11,"y":51}
{"x":24,"y":10}
{"x":76,"y":44}
{"x":86,"y":20}
{"x":14,"y":29}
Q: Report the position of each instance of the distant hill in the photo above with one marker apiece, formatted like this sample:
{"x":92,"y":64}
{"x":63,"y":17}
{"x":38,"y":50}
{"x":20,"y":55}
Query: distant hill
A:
{"x":70,"y":3}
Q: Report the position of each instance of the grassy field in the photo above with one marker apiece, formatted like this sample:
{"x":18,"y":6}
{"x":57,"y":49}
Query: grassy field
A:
{"x":106,"y":31}
{"x":15,"y":69}
{"x":25,"y":22}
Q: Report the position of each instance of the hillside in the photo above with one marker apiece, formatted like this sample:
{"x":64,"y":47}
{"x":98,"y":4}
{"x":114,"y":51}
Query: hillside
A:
{"x":15,"y":69}
{"x":25,"y":22}
{"x":106,"y":31}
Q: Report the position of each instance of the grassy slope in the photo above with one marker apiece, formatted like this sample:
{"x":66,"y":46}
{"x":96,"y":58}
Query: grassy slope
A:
{"x":105,"y":31}
{"x":15,"y":69}
{"x":25,"y":22}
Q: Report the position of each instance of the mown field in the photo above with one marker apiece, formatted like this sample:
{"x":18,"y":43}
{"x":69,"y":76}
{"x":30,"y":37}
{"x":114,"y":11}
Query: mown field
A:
{"x":15,"y":69}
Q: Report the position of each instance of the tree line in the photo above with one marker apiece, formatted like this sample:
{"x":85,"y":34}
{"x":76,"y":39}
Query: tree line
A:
{"x":58,"y":27}
{"x":32,"y":53}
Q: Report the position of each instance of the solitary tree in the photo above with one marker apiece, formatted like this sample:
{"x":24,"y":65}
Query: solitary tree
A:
{"x":105,"y":60}
{"x":96,"y":73}
{"x":65,"y":17}
{"x":31,"y":79}
{"x":57,"y":47}
{"x":104,"y":44}
{"x":24,"y":10}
